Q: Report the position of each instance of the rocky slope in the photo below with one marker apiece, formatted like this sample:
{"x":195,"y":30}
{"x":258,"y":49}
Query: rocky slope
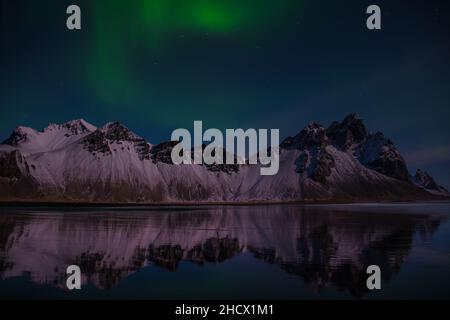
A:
{"x":425,"y":181}
{"x":76,"y":161}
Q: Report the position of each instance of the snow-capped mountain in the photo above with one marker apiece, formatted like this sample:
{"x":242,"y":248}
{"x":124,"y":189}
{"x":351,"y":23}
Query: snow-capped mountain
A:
{"x":425,"y":181}
{"x":76,"y":161}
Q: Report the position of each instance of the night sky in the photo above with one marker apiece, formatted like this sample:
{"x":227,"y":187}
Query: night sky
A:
{"x":157,"y":65}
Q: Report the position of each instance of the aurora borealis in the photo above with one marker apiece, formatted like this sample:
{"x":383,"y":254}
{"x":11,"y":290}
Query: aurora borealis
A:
{"x":161,"y":31}
{"x":158,"y":65}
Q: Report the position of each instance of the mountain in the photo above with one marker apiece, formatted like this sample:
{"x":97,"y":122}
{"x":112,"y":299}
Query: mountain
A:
{"x":425,"y":181}
{"x":373,"y":150}
{"x":78,"y":162}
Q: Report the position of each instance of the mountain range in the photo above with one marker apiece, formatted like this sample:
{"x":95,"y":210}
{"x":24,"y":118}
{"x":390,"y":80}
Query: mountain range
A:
{"x":78,"y":162}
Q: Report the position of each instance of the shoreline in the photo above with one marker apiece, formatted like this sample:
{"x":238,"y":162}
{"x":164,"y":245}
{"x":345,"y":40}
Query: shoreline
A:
{"x":44,"y":204}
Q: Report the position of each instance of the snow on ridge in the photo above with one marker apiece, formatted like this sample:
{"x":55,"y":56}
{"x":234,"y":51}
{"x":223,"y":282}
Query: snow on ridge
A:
{"x":77,"y":161}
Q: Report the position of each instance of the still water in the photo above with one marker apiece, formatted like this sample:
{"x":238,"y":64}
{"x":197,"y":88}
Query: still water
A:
{"x":227,"y":252}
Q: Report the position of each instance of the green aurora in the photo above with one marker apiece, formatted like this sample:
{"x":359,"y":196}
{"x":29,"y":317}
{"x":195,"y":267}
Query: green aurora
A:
{"x":150,"y":29}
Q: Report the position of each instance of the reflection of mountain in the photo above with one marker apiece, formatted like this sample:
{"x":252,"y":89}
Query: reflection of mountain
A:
{"x":321,"y":246}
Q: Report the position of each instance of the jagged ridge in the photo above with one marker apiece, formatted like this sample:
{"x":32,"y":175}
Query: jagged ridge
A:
{"x":76,"y":161}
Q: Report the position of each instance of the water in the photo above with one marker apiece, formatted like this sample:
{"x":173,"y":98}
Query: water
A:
{"x":223,"y":252}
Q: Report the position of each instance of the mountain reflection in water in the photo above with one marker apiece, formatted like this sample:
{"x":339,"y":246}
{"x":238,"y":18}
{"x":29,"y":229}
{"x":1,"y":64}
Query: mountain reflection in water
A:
{"x":322,"y":246}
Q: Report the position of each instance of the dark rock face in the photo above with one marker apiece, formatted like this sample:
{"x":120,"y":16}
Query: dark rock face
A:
{"x":99,"y":141}
{"x":424,"y":180}
{"x":96,"y":142}
{"x":313,"y":136}
{"x":18,"y":136}
{"x":118,"y":132}
{"x":76,"y":127}
{"x":227,"y":168}
{"x":348,"y":132}
{"x":16,"y":180}
{"x":163,"y":153}
{"x":322,"y":166}
{"x":143,"y":149}
{"x":315,"y":161}
{"x":380,"y":154}
{"x":13,"y":165}
{"x":373,"y":150}
{"x":317,"y":164}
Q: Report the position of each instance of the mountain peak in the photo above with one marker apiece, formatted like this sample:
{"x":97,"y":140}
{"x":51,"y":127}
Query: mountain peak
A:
{"x":116,"y":131}
{"x":352,"y":117}
{"x":19,"y":135}
{"x":80,"y":123}
{"x":76,"y":127}
{"x":348,"y":132}
{"x":314,"y":127}
{"x":380,"y":154}
{"x":312,"y":135}
{"x":113,"y":124}
{"x":424,"y":180}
